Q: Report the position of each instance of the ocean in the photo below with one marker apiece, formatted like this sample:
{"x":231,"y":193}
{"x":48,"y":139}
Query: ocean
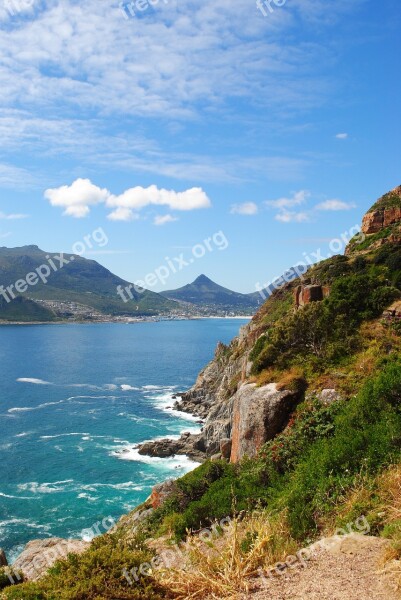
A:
{"x":75,"y":400}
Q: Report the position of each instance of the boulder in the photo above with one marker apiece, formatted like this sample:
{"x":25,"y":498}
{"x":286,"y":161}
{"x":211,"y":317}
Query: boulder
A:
{"x":225,"y":448}
{"x":305,"y":294}
{"x":162,"y":492}
{"x":329,"y":396}
{"x":259,"y":414}
{"x":39,"y":555}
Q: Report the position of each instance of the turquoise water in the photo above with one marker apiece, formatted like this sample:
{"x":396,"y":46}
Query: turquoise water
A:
{"x":74,"y":401}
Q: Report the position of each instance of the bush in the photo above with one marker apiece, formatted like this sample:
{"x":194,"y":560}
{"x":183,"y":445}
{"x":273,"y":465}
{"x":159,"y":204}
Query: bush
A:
{"x":95,"y":575}
{"x":368,"y":437}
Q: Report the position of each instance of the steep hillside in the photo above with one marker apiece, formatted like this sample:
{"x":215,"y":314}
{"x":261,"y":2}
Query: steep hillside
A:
{"x":77,"y":280}
{"x":24,"y":311}
{"x":302,"y":439}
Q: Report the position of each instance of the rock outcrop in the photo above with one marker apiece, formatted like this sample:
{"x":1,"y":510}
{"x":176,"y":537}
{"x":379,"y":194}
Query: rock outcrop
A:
{"x":3,"y":558}
{"x":39,"y":555}
{"x":386,"y":212}
{"x":162,"y":492}
{"x":239,"y":417}
{"x":188,"y":445}
{"x":305,"y":294}
{"x":259,"y":414}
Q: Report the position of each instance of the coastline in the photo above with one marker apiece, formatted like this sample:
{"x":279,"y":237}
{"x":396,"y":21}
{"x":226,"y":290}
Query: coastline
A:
{"x":129,"y":321}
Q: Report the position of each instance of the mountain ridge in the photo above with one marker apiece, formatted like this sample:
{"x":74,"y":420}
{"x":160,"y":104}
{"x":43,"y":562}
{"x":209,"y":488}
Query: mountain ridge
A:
{"x":206,"y":292}
{"x":71,"y":278}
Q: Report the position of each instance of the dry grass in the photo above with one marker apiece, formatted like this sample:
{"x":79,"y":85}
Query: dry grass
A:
{"x":265,"y":377}
{"x":390,"y":486}
{"x":293,"y":380}
{"x":222,"y":567}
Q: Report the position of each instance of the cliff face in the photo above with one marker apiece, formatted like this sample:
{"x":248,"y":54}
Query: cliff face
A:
{"x":240,"y":417}
{"x":386,"y":212}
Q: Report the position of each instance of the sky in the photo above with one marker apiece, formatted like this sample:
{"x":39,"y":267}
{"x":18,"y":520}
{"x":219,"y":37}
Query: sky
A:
{"x":179,"y":138}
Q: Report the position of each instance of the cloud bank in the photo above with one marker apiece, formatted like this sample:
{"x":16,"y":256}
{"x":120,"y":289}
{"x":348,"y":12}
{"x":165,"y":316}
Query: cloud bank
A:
{"x":78,"y":198}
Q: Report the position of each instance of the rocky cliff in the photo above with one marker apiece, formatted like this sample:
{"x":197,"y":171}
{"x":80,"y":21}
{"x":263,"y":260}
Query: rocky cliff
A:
{"x":385,"y":213}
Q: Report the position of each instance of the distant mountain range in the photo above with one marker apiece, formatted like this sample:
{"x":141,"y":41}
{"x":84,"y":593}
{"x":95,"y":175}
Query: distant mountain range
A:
{"x":41,"y":286}
{"x":78,"y":281}
{"x":205,"y":292}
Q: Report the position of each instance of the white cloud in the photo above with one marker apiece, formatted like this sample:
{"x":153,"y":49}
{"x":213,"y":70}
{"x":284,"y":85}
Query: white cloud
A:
{"x":295,"y":200}
{"x":13,"y":216}
{"x":78,"y":198}
{"x":164,"y":219}
{"x":138,"y":197}
{"x":334,"y":205}
{"x":247,"y":208}
{"x":286,"y":216}
{"x":283,"y":205}
{"x":122,"y":214}
{"x":342,"y":136}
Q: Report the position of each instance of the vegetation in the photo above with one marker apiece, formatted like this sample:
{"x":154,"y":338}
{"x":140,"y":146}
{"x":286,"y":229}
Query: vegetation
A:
{"x":81,"y":280}
{"x":24,"y":310}
{"x":335,"y":461}
{"x":95,"y":575}
{"x":325,"y":333}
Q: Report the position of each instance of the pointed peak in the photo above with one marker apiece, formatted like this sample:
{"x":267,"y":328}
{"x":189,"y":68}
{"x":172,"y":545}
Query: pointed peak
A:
{"x":202,"y":279}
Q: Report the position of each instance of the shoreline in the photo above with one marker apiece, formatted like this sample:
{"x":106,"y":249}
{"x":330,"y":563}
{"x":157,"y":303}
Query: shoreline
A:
{"x":128,"y":322}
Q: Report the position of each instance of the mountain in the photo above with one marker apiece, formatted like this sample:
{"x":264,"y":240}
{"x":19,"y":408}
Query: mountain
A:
{"x":36,"y":275}
{"x":302,"y":438}
{"x":24,"y":311}
{"x":205,"y":292}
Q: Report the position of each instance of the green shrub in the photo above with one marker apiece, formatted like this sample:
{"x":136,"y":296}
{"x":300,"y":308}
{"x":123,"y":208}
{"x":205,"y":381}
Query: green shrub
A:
{"x":95,"y":575}
{"x":368,"y":437}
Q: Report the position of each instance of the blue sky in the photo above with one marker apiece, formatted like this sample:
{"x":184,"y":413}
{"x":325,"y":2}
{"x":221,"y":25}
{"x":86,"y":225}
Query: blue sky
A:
{"x":171,"y":124}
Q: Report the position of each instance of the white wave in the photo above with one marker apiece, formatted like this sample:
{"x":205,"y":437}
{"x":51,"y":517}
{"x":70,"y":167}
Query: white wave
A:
{"x":166,"y":402}
{"x":159,"y":387}
{"x":179,"y":463}
{"x":127,"y":485}
{"x":33,"y":381}
{"x":25,"y":434}
{"x":15,"y":497}
{"x":129,"y":388}
{"x":45,"y":488}
{"x":25,"y":522}
{"x":29,"y":408}
{"x":58,"y":435}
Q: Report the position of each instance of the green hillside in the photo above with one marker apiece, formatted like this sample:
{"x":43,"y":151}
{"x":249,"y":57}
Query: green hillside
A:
{"x":335,"y":464}
{"x":81,"y":280}
{"x":24,"y":311}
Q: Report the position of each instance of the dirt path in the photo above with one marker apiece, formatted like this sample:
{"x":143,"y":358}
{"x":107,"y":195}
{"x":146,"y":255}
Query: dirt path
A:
{"x":349,"y":569}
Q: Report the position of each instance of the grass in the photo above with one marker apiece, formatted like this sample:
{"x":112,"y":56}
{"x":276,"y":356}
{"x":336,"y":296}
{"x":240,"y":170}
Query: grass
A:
{"x":224,"y":566}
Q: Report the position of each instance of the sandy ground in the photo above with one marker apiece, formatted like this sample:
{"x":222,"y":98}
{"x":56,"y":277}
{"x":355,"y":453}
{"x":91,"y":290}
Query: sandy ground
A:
{"x":349,"y":569}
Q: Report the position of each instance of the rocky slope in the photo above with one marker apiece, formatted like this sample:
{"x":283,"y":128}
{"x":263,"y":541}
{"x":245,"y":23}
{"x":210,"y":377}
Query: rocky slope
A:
{"x":309,"y":352}
{"x":239,"y":417}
